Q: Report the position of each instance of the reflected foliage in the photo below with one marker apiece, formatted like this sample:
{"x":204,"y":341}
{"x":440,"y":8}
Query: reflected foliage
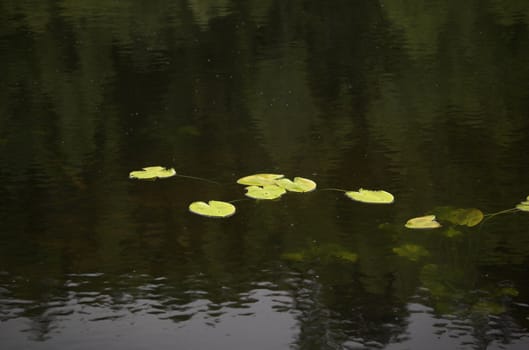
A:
{"x":426,"y":99}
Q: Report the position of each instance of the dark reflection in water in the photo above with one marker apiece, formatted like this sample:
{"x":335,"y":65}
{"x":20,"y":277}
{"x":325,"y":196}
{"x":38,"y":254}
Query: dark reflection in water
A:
{"x":428,"y":100}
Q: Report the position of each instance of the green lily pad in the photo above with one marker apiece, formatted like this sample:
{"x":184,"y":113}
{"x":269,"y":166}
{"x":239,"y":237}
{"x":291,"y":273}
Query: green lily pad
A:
{"x":214,"y":209}
{"x":423,"y":222}
{"x":370,"y":196}
{"x":524,"y":206}
{"x":299,"y":184}
{"x":265,"y":192}
{"x":259,"y":179}
{"x":465,"y":217}
{"x":151,"y":173}
{"x":412,"y":252}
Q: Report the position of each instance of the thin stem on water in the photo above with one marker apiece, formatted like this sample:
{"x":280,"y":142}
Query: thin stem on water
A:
{"x":238,"y":200}
{"x":332,"y":189}
{"x":487,"y":217}
{"x":198,"y":178}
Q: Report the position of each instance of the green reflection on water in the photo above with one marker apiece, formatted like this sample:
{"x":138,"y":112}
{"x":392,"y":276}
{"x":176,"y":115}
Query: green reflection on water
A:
{"x":431,"y":101}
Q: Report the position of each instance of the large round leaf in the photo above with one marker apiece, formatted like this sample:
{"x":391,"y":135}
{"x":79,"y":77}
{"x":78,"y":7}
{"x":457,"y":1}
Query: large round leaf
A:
{"x":423,"y":222}
{"x":369,"y":196}
{"x":265,"y":192}
{"x":299,"y":184}
{"x":214,"y":209}
{"x":465,"y":217}
{"x":259,"y":179}
{"x":152,"y":172}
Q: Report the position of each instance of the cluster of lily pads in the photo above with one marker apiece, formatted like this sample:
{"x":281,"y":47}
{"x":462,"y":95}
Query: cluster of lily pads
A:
{"x":273,"y":186}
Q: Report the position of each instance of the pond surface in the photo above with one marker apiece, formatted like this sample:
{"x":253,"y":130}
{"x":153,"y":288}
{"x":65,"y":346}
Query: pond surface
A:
{"x":426,"y":100}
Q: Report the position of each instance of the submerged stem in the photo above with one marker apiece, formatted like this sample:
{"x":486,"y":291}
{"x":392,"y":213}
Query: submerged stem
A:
{"x":198,"y":178}
{"x":332,"y":189}
{"x":238,"y":200}
{"x":491,"y":215}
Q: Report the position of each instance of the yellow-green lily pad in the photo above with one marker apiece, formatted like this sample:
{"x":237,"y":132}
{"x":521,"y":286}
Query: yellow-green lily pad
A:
{"x":371,"y":196}
{"x":423,"y":222}
{"x":523,"y":206}
{"x":152,"y":173}
{"x":213,"y":209}
{"x":412,"y":252}
{"x":259,"y":179}
{"x":265,"y":192}
{"x":299,"y":184}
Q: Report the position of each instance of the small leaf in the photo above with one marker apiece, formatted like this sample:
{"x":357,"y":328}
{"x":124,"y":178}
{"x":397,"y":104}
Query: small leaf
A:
{"x":214,"y":209}
{"x":411,"y":251}
{"x":259,"y":179}
{"x":151,"y":173}
{"x":423,"y":222}
{"x":369,"y":196}
{"x":265,"y":192}
{"x":299,"y":184}
{"x":523,"y":206}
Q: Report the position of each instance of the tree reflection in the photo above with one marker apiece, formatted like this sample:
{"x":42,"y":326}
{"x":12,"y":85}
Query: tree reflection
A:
{"x":429,"y":102}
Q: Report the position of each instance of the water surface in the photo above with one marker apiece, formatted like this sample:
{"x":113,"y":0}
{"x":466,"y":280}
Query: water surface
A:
{"x":427,"y":100}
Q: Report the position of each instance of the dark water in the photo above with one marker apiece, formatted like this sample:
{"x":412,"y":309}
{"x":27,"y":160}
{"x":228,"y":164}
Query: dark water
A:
{"x":426,"y":99}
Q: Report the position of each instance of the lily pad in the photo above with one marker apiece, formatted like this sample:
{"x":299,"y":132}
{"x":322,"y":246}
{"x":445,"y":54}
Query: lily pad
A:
{"x":465,"y":217}
{"x":214,"y":209}
{"x":370,"y":196}
{"x":411,"y":251}
{"x":523,"y":206}
{"x":265,"y":192}
{"x":423,"y":222}
{"x":152,"y":173}
{"x":299,"y":184}
{"x":259,"y":179}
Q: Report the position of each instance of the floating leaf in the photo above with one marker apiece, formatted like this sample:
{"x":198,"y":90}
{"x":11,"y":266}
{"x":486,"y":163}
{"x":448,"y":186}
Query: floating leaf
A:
{"x":152,"y":172}
{"x":523,"y":206}
{"x":423,"y":222}
{"x":265,"y":192}
{"x":411,"y":251}
{"x":214,"y":209}
{"x":465,"y":217}
{"x":299,"y":184}
{"x":259,"y":179}
{"x":369,"y":196}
